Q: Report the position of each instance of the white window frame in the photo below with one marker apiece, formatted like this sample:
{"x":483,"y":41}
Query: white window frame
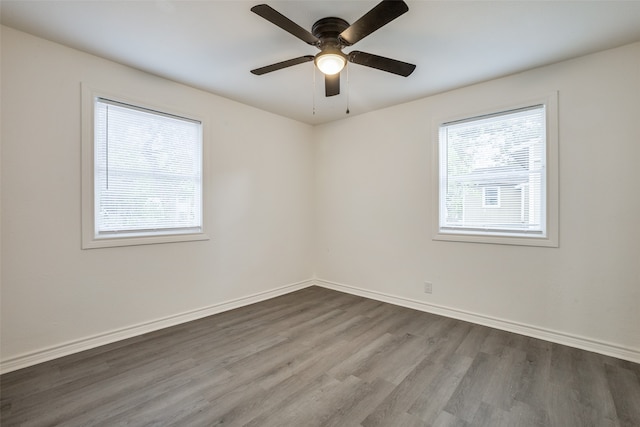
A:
{"x":549,"y":237}
{"x":90,"y":239}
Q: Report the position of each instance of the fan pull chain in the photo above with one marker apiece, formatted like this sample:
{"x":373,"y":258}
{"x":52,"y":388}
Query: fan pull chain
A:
{"x":313,"y":111}
{"x":347,"y":112}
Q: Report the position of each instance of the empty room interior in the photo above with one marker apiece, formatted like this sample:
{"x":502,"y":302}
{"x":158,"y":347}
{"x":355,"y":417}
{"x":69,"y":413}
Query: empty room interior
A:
{"x":202,"y":225}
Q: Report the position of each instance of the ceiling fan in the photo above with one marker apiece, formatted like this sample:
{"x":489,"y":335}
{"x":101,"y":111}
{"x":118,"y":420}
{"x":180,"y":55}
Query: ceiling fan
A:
{"x":331,"y":35}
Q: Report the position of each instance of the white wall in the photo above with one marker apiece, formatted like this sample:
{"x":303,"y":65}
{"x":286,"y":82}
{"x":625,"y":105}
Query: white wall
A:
{"x":374,"y":204}
{"x":54,"y":293}
{"x":364,"y":224}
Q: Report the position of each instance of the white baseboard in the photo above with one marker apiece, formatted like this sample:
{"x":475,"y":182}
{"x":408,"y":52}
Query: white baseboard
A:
{"x":570,"y":340}
{"x":65,"y":349}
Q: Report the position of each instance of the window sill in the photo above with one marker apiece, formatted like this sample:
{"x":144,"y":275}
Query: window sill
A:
{"x":497,"y":239}
{"x":141,"y":240}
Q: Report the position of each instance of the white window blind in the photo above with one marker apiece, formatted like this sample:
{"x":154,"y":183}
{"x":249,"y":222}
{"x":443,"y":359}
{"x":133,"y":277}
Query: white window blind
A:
{"x":492,"y":174}
{"x":147,"y":172}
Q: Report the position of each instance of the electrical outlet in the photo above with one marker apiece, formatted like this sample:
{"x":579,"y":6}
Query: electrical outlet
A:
{"x":428,"y":287}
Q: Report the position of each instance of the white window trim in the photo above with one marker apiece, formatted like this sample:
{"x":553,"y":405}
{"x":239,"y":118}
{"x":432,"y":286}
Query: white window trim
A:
{"x":89,"y":239}
{"x":550,"y":238}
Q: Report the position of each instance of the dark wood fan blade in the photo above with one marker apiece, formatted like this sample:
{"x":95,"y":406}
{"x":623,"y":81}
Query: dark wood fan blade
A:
{"x":281,"y":65}
{"x":275,"y":17}
{"x":381,"y":63}
{"x":332,"y":84}
{"x":385,"y":12}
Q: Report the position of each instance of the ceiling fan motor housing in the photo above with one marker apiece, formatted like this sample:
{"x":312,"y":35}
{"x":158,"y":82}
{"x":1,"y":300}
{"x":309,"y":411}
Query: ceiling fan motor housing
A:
{"x":328,"y":30}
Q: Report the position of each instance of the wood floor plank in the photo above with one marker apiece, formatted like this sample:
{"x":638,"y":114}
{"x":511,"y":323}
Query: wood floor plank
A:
{"x":625,"y":390}
{"x":467,"y":397}
{"x":308,"y":408}
{"x":435,"y":394}
{"x":504,"y":383}
{"x":318,"y":357}
{"x":535,"y":381}
{"x":399,"y":401}
{"x":523,"y":414}
{"x":584,"y":381}
{"x":445,"y":419}
{"x":473,"y":341}
{"x":565,"y":409}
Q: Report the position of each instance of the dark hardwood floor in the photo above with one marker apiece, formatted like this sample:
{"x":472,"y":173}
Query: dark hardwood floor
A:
{"x":317,"y":357}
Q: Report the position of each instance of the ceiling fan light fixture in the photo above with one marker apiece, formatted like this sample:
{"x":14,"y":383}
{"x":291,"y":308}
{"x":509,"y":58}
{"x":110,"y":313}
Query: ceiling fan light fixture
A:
{"x":330,"y":62}
{"x":332,"y":34}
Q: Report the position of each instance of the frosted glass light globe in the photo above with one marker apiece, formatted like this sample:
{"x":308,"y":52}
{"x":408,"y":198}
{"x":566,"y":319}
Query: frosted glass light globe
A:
{"x":330,"y":63}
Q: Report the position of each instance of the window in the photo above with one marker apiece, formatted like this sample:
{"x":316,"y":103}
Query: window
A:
{"x":493,"y":176}
{"x":490,"y":197}
{"x":146,"y":175}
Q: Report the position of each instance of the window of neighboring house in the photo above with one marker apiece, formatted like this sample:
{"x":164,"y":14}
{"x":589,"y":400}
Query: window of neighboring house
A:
{"x":494,"y":182}
{"x":146,"y":173}
{"x":490,"y":197}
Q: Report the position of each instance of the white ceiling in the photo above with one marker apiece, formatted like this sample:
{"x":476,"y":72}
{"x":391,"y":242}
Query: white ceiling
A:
{"x":212,"y":45}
